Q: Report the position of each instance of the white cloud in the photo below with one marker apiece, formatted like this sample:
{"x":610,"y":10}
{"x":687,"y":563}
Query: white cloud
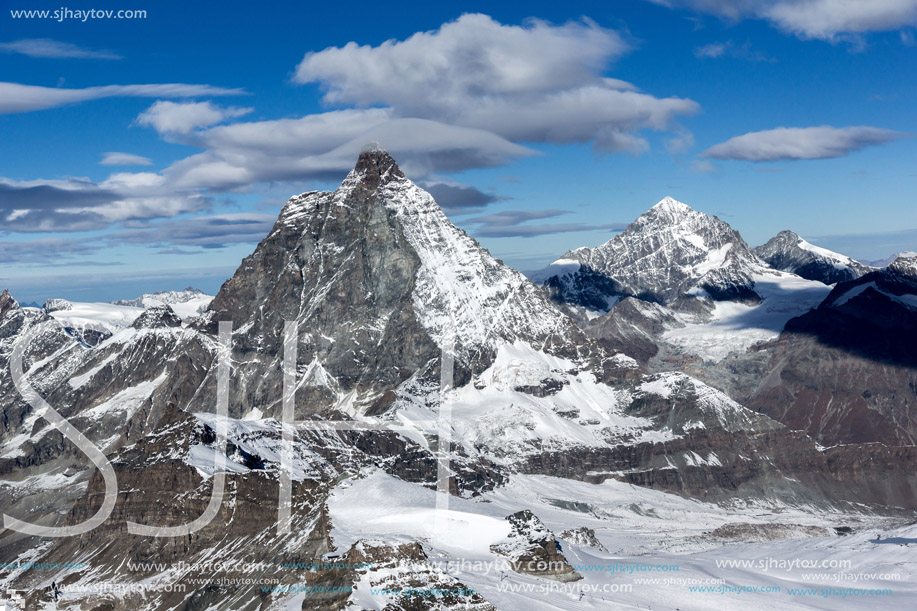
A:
{"x":703,"y":166}
{"x":326,"y":147}
{"x":533,"y":83}
{"x":309,"y":135}
{"x":822,"y":19}
{"x":472,"y":54}
{"x":47,"y":48}
{"x":115,"y":158}
{"x":827,"y":18}
{"x":457,"y":198}
{"x":16,"y":98}
{"x":461,"y":97}
{"x":680,"y":143}
{"x":713,"y":50}
{"x":83,"y":205}
{"x":181,"y":118}
{"x":744,"y":51}
{"x":790,"y":143}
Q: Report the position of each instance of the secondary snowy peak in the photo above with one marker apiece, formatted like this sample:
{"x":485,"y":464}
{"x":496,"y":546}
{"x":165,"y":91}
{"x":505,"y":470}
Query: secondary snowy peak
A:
{"x":670,"y":251}
{"x":904,"y":267}
{"x":157,"y":317}
{"x":164,"y":297}
{"x":380,"y":282}
{"x":788,"y":252}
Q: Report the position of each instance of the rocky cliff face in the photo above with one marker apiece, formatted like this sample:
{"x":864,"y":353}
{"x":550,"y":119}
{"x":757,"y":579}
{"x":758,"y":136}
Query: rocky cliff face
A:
{"x":787,"y":252}
{"x":532,"y":549}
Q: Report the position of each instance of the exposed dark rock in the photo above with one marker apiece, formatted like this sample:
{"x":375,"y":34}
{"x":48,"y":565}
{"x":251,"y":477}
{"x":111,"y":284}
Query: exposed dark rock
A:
{"x":846,"y":372}
{"x":533,"y":550}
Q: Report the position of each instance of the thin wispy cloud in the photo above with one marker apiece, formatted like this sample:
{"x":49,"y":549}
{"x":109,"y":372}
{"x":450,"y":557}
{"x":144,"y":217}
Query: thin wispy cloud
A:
{"x":44,"y":250}
{"x":244,"y":154}
{"x":36,"y":195}
{"x":794,"y":143}
{"x":116,"y":158}
{"x":458,"y":198}
{"x":716,"y":50}
{"x":713,"y":50}
{"x":214,"y":231}
{"x":516,"y":223}
{"x":821,"y":19}
{"x":74,"y":205}
{"x":53,"y":49}
{"x":182,"y":118}
{"x":17,"y":98}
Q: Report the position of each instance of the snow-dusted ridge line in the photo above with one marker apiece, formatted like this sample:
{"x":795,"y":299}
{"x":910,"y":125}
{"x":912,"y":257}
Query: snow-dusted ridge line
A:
{"x":668,"y":252}
{"x":462,"y":294}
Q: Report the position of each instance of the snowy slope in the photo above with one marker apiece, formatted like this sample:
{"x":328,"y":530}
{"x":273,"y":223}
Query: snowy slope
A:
{"x":462,"y":294}
{"x":102,"y":316}
{"x":735,"y":327}
{"x":658,"y":547}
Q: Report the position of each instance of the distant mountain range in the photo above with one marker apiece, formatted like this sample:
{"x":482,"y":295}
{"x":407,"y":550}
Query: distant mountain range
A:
{"x":688,"y":294}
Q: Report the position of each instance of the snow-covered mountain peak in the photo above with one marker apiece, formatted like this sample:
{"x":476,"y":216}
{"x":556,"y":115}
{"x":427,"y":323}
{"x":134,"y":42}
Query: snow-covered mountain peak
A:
{"x":904,"y":266}
{"x":186,"y":303}
{"x":788,"y":252}
{"x":669,"y":251}
{"x":57,"y":305}
{"x":671,"y":214}
{"x":157,"y":317}
{"x":672,"y":205}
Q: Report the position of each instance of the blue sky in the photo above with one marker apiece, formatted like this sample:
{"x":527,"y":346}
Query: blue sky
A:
{"x":152,"y":153}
